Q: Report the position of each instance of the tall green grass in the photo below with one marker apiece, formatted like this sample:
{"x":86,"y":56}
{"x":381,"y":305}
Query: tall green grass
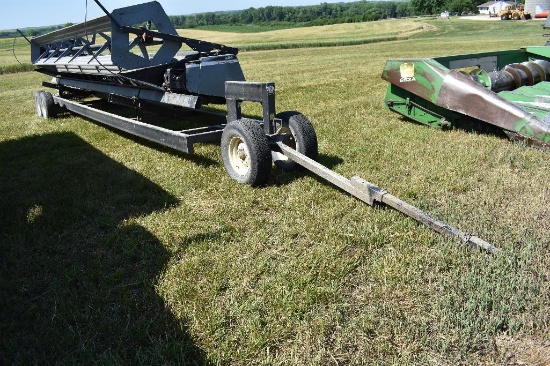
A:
{"x":326,"y":36}
{"x":250,"y":28}
{"x":12,"y":69}
{"x":117,"y":251}
{"x":279,"y":46}
{"x":14,"y":52}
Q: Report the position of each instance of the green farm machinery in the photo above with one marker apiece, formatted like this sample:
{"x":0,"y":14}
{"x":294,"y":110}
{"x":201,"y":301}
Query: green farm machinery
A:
{"x":503,"y":91}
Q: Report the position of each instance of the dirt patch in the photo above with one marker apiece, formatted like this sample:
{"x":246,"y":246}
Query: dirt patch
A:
{"x":523,"y":351}
{"x":420,"y":29}
{"x":477,"y":17}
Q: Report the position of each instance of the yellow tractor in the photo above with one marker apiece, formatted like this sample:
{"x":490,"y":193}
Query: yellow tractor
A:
{"x":515,"y":12}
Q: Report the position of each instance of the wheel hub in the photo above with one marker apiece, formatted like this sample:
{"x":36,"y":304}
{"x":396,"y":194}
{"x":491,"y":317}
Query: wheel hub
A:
{"x":241,"y":152}
{"x":239,"y":156}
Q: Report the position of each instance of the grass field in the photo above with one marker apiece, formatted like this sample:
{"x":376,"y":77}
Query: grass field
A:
{"x":118,"y":251}
{"x":330,"y":35}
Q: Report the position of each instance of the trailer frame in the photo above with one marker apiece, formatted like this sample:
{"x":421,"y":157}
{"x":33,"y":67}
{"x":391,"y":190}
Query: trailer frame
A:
{"x":249,"y":146}
{"x":181,"y":140}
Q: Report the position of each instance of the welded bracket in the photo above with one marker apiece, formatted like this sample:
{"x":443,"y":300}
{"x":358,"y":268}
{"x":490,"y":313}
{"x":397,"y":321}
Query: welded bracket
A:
{"x":264,"y":93}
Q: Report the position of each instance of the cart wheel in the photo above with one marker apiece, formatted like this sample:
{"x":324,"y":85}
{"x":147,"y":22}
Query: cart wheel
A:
{"x":45,"y":106}
{"x":245,"y":152}
{"x":299,"y":135}
{"x":37,"y":103}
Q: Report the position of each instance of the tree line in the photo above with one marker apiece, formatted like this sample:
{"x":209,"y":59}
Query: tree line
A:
{"x":358,"y":11}
{"x":32,"y":32}
{"x":324,"y":13}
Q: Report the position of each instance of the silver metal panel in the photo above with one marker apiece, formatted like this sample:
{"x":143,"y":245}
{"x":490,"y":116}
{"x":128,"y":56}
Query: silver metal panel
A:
{"x":208,"y":76}
{"x":102,"y":24}
{"x":487,"y":63}
{"x":81,"y":65}
{"x":138,"y":15}
{"x":535,"y":6}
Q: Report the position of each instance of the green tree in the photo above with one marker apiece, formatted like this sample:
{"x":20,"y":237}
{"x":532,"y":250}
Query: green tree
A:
{"x":356,"y":11}
{"x":461,"y":5}
{"x":209,"y":18}
{"x":246,"y":16}
{"x":403,"y":9}
{"x":191,"y":22}
{"x":428,"y":6}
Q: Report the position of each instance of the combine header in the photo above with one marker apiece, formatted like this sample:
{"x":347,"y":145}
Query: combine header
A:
{"x":131,"y":57}
{"x":506,"y":91}
{"x":120,"y":59}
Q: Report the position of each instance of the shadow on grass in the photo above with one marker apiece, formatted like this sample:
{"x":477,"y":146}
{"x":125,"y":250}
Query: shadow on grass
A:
{"x":469,"y":125}
{"x":172,"y":120}
{"x":77,"y":279}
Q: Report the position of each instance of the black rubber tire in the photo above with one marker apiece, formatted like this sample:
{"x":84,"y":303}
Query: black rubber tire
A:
{"x":301,"y":137}
{"x":515,"y":16}
{"x":245,"y":152}
{"x":48,"y":108}
{"x":504,"y":17}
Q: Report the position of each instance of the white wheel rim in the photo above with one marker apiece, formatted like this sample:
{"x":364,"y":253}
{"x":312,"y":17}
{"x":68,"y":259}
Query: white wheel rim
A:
{"x":239,"y":156}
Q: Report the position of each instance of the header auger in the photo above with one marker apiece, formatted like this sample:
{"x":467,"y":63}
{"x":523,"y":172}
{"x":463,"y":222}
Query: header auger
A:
{"x":505,"y":90}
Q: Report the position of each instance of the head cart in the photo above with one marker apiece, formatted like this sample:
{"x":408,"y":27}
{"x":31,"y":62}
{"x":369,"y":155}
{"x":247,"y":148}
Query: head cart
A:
{"x":132,"y":57}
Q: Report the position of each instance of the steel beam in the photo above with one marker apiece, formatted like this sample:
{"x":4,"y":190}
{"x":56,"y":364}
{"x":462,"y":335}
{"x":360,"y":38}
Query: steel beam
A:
{"x":178,"y":140}
{"x":155,"y":96}
{"x":370,"y":193}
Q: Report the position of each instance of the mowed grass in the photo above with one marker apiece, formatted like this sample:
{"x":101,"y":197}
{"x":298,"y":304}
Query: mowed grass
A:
{"x":118,"y":251}
{"x":14,"y":56}
{"x":330,"y":35}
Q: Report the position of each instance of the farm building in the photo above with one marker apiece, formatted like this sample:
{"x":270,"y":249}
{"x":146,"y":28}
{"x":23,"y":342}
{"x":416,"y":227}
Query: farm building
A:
{"x":493,"y":7}
{"x":537,"y":7}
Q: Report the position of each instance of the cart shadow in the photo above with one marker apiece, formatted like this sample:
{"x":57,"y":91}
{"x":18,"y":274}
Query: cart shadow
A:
{"x":166,"y":121}
{"x":469,"y":125}
{"x":77,"y":274}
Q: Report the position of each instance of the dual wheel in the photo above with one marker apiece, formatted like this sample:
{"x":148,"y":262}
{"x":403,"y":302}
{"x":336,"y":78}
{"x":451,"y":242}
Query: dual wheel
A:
{"x":45,"y":105}
{"x":246,"y":151}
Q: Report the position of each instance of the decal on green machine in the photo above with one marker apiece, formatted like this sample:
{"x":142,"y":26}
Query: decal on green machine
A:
{"x":407,"y":72}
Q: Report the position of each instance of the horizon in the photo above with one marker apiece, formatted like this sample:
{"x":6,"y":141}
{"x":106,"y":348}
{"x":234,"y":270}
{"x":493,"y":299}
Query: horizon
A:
{"x":77,"y":13}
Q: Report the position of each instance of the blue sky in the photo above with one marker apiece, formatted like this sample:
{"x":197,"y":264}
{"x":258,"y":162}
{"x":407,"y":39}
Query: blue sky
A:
{"x":36,"y":13}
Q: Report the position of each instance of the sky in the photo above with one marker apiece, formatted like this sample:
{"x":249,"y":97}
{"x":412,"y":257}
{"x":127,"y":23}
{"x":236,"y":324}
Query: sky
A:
{"x":36,"y":13}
